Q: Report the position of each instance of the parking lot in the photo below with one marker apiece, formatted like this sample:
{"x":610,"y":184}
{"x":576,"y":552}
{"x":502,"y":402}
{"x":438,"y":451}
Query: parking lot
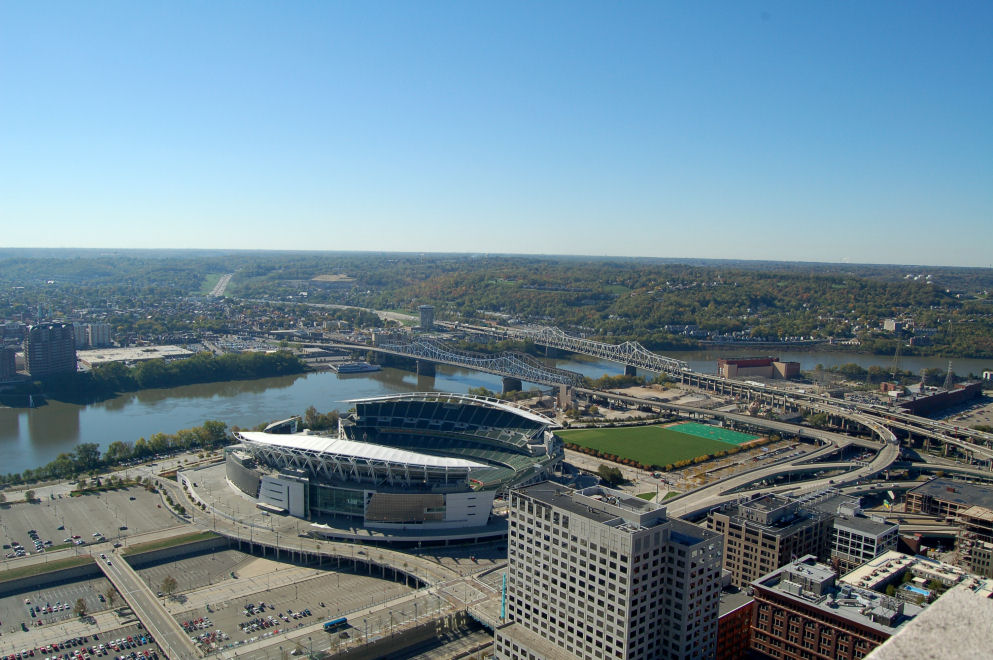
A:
{"x":61,"y":631}
{"x":56,"y":520}
{"x":207,"y":591}
{"x":195,"y":572}
{"x":60,"y":599}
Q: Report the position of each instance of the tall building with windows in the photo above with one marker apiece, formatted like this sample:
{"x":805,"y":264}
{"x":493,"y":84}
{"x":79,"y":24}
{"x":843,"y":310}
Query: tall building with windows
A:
{"x":597,"y":573}
{"x":427,"y":316}
{"x":8,"y":363}
{"x":768,"y":532}
{"x":49,"y":349}
{"x":855,"y":537}
{"x":98,"y":334}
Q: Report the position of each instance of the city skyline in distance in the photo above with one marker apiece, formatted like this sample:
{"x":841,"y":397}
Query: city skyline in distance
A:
{"x":762,"y":132}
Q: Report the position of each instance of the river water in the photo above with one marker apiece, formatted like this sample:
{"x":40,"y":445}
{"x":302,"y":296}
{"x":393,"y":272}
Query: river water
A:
{"x":33,"y":437}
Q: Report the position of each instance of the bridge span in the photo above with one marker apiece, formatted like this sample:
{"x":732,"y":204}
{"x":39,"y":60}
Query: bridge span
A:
{"x":632,"y":354}
{"x":508,"y":364}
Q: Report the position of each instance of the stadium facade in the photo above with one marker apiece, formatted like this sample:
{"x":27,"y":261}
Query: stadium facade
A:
{"x":421,"y":466}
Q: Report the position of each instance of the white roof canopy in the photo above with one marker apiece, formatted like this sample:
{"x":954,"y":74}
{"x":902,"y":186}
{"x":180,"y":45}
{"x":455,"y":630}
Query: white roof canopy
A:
{"x":365,"y":450}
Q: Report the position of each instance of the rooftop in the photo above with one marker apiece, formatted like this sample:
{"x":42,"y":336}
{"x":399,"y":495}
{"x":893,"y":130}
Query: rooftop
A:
{"x":599,"y":504}
{"x":878,"y":572}
{"x":498,"y":404}
{"x":775,"y":514}
{"x":733,"y":599}
{"x":320,"y":444}
{"x":864,"y":525}
{"x":957,"y":625}
{"x":956,"y":491}
{"x":812,"y":584}
{"x":130,"y":354}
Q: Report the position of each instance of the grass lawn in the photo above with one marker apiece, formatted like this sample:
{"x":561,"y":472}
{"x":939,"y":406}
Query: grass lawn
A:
{"x":45,"y":567}
{"x":169,"y":542}
{"x":650,"y":445}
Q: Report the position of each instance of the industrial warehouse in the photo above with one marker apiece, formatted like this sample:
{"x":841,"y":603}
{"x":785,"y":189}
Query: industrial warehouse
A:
{"x":421,"y":467}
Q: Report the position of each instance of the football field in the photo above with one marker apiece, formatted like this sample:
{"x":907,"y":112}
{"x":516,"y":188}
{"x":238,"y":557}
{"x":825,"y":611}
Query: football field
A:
{"x":651,"y":445}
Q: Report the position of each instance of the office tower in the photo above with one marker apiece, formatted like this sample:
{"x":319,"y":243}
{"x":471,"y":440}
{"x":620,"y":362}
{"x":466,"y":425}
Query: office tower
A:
{"x":768,"y":532}
{"x":597,"y":573}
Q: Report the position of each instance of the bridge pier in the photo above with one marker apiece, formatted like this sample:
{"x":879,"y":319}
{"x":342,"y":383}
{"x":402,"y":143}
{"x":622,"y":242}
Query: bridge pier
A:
{"x":630,"y":370}
{"x":511,"y":384}
{"x":425,"y":368}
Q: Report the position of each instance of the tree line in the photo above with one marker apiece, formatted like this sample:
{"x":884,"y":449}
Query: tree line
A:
{"x":86,"y":458}
{"x":116,"y":377}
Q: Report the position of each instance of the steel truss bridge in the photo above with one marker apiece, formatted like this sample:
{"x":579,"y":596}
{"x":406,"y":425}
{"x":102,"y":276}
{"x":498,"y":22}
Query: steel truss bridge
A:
{"x":978,"y":443}
{"x":507,"y":364}
{"x":629,"y":353}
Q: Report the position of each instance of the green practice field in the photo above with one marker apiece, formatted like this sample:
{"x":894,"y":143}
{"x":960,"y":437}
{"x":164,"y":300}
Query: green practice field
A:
{"x":649,"y":445}
{"x":714,"y":433}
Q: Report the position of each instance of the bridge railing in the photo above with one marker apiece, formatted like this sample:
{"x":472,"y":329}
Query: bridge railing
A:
{"x":515,"y":365}
{"x":630,"y":352}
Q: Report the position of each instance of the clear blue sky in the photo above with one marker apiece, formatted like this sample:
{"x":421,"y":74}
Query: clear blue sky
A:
{"x":823,"y":131}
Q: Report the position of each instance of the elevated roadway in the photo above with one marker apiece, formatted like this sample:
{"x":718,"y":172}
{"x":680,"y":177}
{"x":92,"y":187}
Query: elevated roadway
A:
{"x":978,"y":443}
{"x":287,"y":543}
{"x":168,"y":634}
{"x":732,"y":488}
{"x":839,"y":439}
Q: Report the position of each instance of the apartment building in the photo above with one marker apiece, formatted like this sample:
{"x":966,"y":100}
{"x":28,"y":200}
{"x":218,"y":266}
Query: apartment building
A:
{"x":49,"y":349}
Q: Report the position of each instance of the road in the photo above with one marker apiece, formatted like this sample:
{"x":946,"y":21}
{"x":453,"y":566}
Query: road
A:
{"x":168,"y":634}
{"x":718,"y":493}
{"x":222,"y":284}
{"x":761,"y":422}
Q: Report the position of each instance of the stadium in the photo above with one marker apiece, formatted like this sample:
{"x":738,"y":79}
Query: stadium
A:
{"x":409,"y":467}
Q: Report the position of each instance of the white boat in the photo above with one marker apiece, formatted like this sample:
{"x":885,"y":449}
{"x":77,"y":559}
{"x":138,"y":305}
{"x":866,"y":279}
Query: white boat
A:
{"x":354,"y":367}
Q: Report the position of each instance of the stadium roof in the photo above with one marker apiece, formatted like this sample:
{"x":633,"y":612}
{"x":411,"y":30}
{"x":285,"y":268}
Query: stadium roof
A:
{"x":365,"y":450}
{"x":461,"y":398}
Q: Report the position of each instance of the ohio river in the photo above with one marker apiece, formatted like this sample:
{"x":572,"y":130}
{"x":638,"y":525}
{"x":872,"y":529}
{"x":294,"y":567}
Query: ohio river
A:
{"x":30,"y":438}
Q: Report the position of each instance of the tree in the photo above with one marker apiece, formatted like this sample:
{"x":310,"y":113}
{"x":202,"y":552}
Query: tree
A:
{"x":610,"y":475}
{"x":80,"y":608}
{"x":110,"y":595}
{"x":87,"y":456}
{"x":3,"y":498}
{"x":29,"y":496}
{"x":169,"y":585}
